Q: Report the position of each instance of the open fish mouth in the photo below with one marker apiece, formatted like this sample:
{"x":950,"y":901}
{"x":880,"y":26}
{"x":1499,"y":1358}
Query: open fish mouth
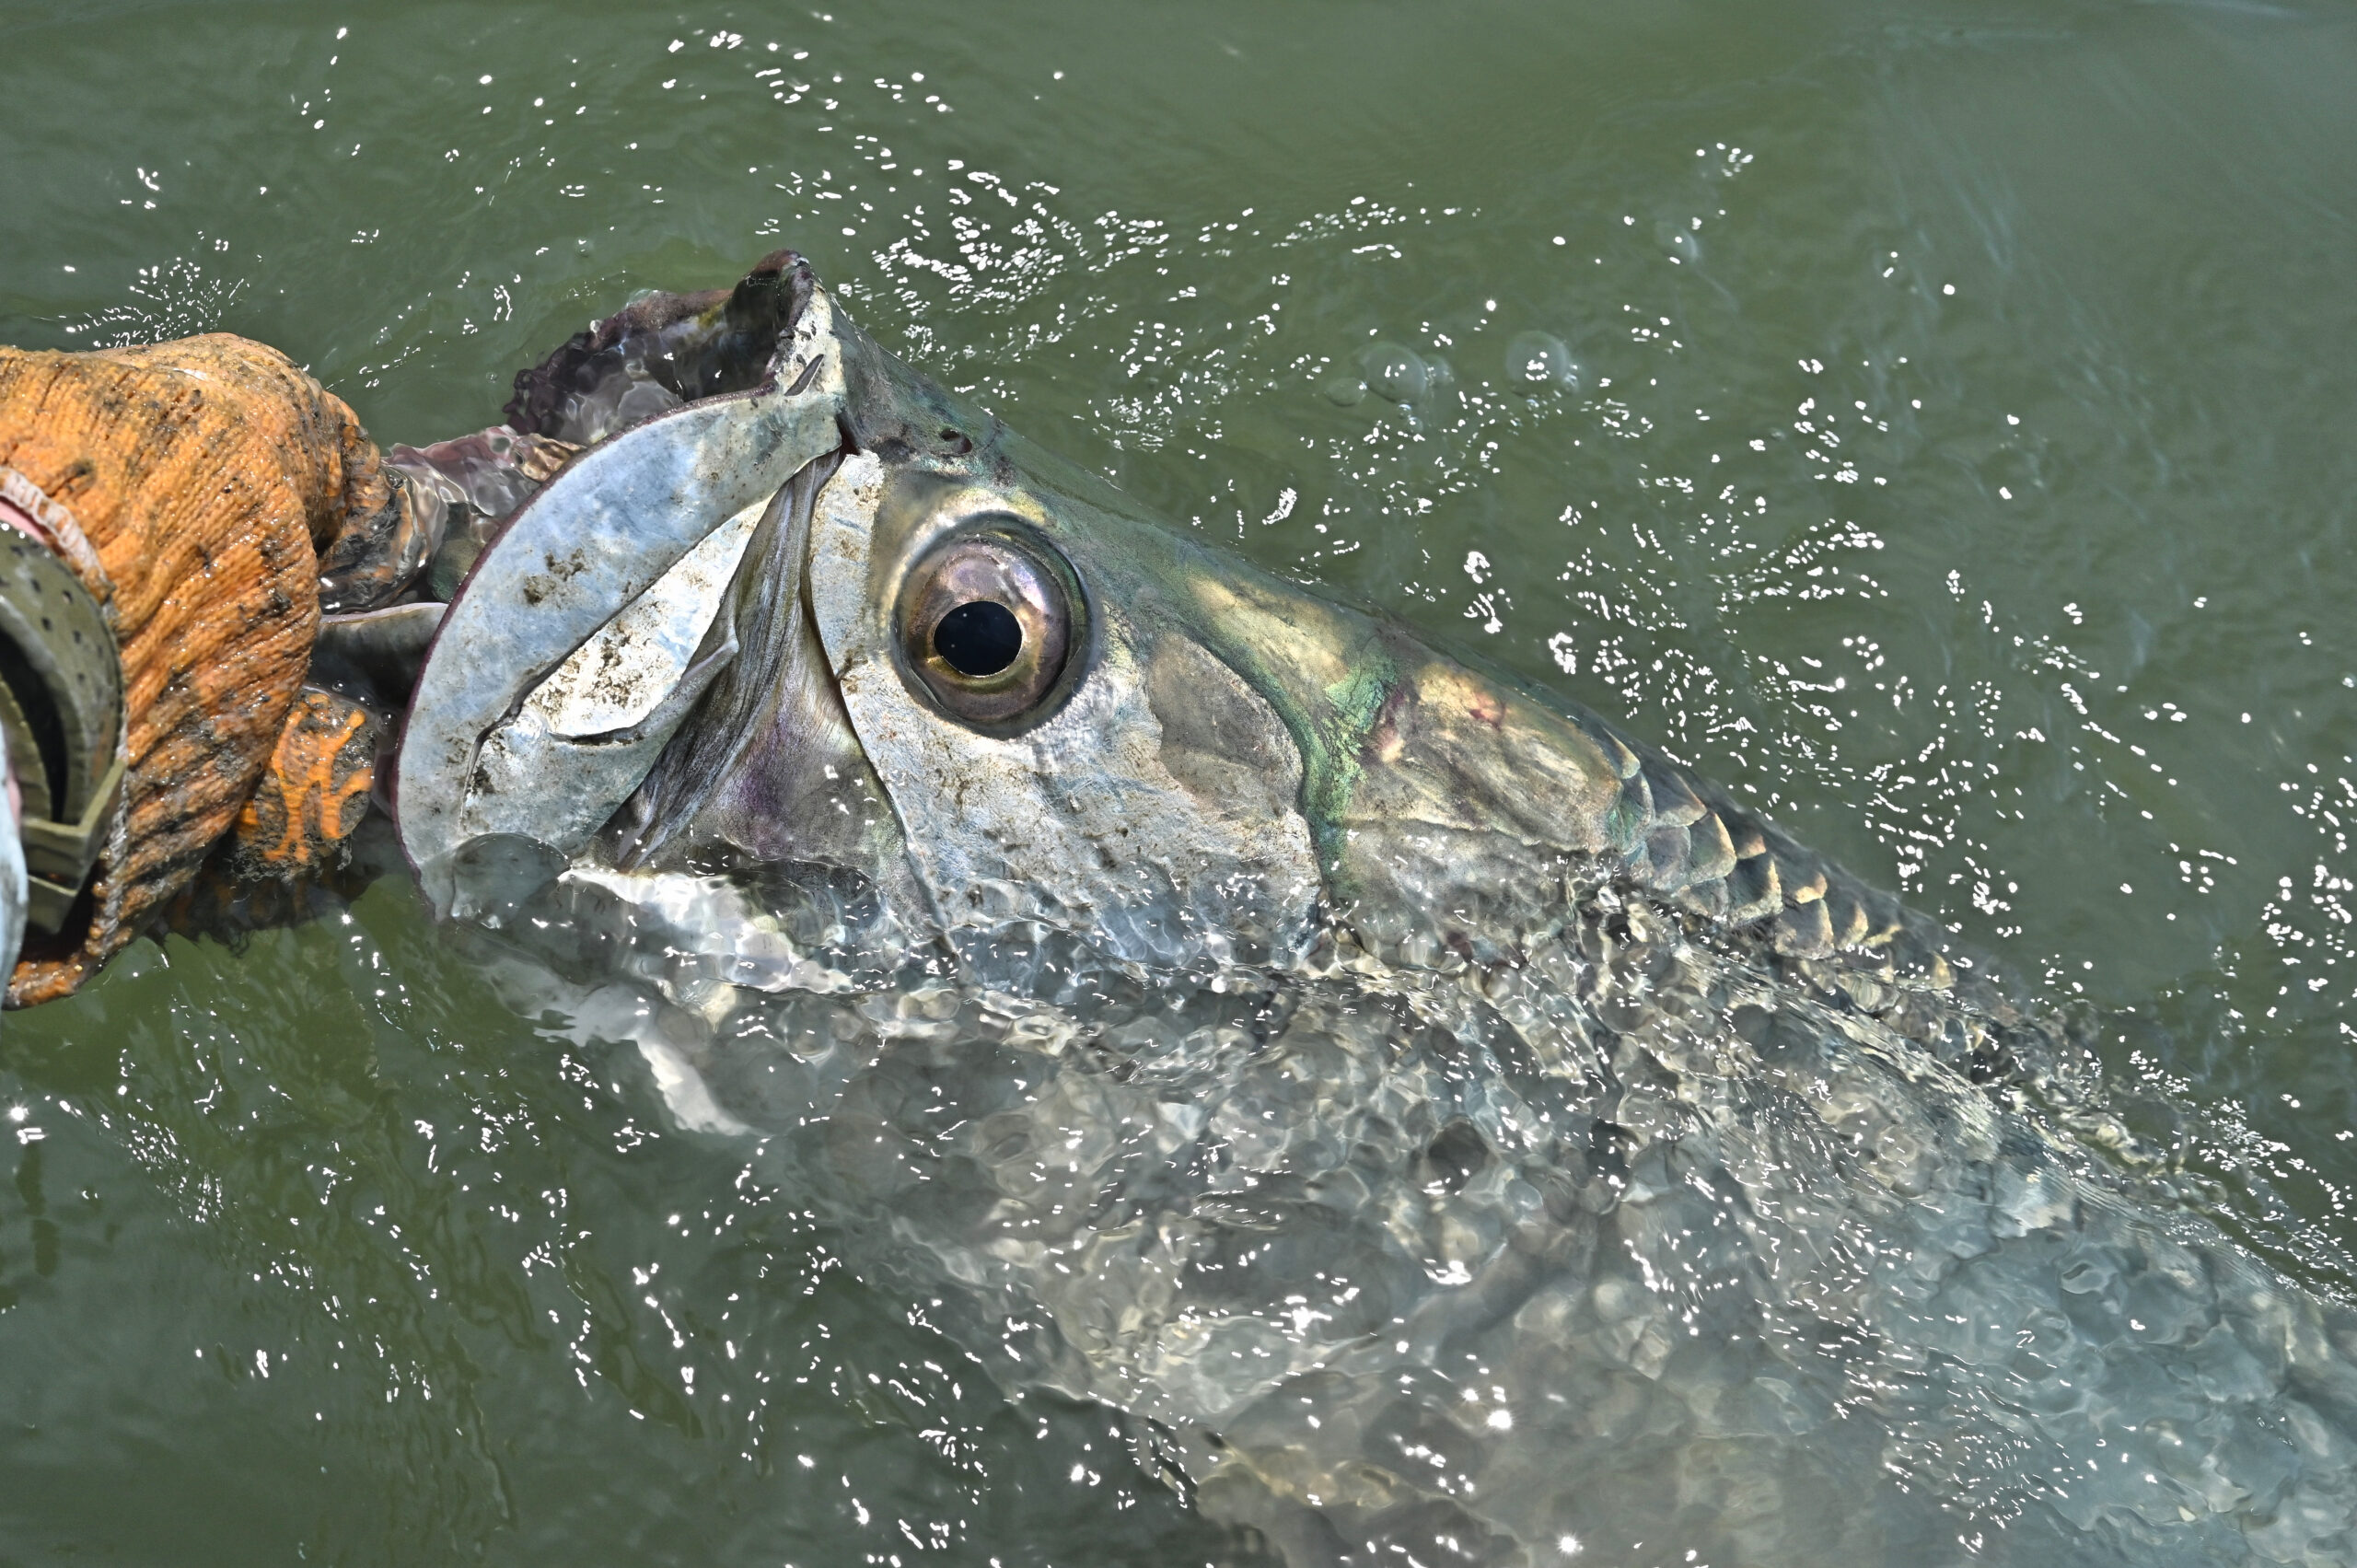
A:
{"x":822,"y":624}
{"x":590,"y":627}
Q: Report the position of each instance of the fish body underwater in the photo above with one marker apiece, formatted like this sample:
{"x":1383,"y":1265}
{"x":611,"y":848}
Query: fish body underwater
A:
{"x":1447,"y":1131}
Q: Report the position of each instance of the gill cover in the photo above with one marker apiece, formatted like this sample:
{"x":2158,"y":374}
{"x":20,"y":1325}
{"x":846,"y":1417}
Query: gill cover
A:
{"x":589,"y":627}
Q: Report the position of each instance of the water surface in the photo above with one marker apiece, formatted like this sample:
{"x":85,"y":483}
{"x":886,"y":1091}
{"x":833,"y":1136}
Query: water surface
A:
{"x":1931,"y":420}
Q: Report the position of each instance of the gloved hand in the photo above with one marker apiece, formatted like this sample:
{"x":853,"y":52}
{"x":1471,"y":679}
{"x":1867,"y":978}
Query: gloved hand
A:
{"x":189,"y":492}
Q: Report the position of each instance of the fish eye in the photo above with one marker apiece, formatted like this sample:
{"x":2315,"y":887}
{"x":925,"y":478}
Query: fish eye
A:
{"x":986,"y":626}
{"x":979,"y":637}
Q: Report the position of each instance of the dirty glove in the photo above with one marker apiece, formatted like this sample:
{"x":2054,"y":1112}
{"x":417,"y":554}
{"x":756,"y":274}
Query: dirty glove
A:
{"x":168,"y":510}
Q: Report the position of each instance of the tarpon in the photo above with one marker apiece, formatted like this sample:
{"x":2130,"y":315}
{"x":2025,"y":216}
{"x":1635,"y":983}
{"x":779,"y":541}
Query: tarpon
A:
{"x":1449,"y":1131}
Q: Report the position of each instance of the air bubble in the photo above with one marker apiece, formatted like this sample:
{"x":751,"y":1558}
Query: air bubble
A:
{"x":1395,"y":372}
{"x":1538,"y":358}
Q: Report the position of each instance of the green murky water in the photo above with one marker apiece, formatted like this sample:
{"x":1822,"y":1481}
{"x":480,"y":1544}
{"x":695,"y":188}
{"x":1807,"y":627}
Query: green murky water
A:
{"x":1958,"y":461}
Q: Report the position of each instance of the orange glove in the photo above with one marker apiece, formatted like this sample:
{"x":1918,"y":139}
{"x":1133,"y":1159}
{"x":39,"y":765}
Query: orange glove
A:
{"x":193,"y":489}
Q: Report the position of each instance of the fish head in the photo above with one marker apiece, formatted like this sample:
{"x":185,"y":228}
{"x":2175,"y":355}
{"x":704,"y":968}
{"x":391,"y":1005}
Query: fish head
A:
{"x":842,"y":625}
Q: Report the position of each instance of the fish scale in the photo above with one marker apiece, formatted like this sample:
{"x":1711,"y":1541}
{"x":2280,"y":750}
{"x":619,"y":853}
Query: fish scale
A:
{"x":1670,"y":1253}
{"x":1850,"y":944}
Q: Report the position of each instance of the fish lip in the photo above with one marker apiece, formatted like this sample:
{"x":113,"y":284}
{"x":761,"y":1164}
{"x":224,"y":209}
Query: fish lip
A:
{"x":631,"y":505}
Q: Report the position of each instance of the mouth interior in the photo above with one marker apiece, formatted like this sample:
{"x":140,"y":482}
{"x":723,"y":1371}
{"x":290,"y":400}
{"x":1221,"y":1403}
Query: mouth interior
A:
{"x":779,"y":679}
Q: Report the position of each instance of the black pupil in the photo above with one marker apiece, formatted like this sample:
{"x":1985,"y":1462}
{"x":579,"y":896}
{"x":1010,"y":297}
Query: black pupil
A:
{"x":979,"y":638}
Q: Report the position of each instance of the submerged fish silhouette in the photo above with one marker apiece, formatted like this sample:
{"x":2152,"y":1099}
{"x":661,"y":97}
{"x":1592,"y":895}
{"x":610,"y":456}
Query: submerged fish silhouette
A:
{"x":1448,"y":1130}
